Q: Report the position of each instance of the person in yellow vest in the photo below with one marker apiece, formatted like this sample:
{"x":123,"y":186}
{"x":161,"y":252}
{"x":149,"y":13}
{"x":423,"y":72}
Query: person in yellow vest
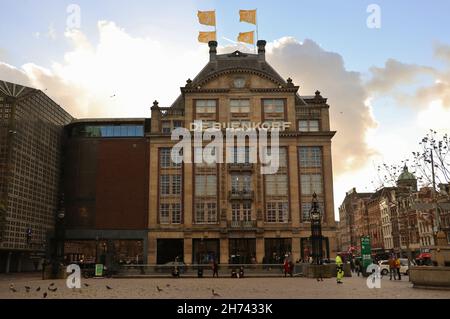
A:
{"x":339,"y":269}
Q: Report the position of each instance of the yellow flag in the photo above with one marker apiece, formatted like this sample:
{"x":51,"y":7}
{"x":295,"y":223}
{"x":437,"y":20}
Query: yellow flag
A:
{"x":247,"y":16}
{"x":205,"y":37}
{"x":207,"y":17}
{"x":247,"y":37}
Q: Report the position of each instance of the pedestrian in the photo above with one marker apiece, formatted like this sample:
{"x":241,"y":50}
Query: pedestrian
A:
{"x":397,"y":268}
{"x":358,"y":266}
{"x":352,"y":265}
{"x":286,"y":267}
{"x":339,"y":269}
{"x":291,"y":268}
{"x":392,"y":270}
{"x":241,"y":272}
{"x":215,"y":268}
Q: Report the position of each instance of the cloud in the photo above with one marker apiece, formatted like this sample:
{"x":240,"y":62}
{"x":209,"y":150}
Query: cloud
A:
{"x":140,"y":70}
{"x":426,"y":84}
{"x":313,"y":68}
{"x":136,"y":70}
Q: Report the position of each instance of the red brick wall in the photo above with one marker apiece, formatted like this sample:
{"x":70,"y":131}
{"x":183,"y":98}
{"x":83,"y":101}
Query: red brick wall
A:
{"x":122,"y":184}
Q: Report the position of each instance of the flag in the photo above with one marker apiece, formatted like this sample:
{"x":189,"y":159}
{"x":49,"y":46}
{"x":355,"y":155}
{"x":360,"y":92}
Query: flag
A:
{"x":207,"y":17}
{"x":205,"y":37}
{"x":247,"y":16}
{"x":247,"y":37}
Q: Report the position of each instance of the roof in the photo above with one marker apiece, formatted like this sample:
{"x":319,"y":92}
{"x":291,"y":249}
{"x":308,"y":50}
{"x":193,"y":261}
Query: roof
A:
{"x":240,"y":62}
{"x":406,"y":175}
{"x":15,"y":90}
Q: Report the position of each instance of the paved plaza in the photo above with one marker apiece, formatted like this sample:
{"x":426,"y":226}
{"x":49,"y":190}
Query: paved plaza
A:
{"x":230,"y":288}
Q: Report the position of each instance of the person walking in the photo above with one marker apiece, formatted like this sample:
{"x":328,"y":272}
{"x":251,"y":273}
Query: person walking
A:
{"x":215,"y":268}
{"x":339,"y":269}
{"x":286,"y":267}
{"x":392,"y":270}
{"x":358,"y":266}
{"x":397,"y":268}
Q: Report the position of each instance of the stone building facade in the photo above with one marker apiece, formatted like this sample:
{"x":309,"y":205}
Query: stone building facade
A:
{"x":230,"y":211}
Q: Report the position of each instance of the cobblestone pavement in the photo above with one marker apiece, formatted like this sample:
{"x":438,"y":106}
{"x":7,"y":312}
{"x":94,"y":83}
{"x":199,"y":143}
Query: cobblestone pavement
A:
{"x":187,"y":288}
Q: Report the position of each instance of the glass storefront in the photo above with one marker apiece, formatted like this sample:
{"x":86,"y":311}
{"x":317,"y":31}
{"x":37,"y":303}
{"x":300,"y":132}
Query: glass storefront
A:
{"x":103,"y":251}
{"x":205,"y":251}
{"x":242,"y":251}
{"x":276,"y":250}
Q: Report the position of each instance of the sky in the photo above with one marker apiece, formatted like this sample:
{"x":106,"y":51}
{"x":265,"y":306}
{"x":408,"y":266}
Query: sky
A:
{"x":386,"y":86}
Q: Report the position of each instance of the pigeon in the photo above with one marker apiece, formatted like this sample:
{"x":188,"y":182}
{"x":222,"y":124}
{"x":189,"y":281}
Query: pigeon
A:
{"x":12,"y":288}
{"x":53,"y":290}
{"x":108,"y":287}
{"x":168,"y":285}
{"x":86,"y":285}
{"x":52,"y":284}
{"x":27,"y":288}
{"x":215,"y":294}
{"x":38,"y":289}
{"x":44,"y":295}
{"x":159,"y":289}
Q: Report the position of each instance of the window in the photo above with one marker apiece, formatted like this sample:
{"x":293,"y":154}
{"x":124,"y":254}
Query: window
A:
{"x":170,"y":213}
{"x":178,"y":124}
{"x":282,"y":156}
{"x":165,"y":184}
{"x":240,"y":106}
{"x":311,"y":183}
{"x":277,"y":212}
{"x":241,"y":212}
{"x":241,"y":183}
{"x":176,"y":184}
{"x":274,"y":107}
{"x":310,"y":156}
{"x":277,"y":184}
{"x":240,"y":154}
{"x":166,"y":127}
{"x":308,"y":125}
{"x":165,"y":158}
{"x":205,"y":106}
{"x":176,"y":213}
{"x":164,"y":213}
{"x":205,"y":185}
{"x":206,"y":213}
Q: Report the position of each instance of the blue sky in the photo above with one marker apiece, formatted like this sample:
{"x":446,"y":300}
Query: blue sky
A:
{"x":409,"y":28}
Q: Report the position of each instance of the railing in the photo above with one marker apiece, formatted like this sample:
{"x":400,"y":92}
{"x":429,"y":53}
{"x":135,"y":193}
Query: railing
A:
{"x":193,"y":270}
{"x":243,"y":224}
{"x":171,"y":112}
{"x":241,"y":195}
{"x":240,"y":167}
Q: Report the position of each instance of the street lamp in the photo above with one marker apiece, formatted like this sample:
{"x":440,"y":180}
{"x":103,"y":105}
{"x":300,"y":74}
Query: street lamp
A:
{"x":316,"y":231}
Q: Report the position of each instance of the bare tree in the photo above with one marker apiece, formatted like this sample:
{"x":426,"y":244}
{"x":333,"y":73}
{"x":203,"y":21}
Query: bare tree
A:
{"x":435,"y":151}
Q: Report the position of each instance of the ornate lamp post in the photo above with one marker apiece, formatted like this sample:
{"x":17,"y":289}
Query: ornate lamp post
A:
{"x":316,"y":231}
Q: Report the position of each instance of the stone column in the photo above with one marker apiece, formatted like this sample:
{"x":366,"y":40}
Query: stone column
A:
{"x":224,"y":250}
{"x":187,"y":249}
{"x":296,"y":254}
{"x":259,"y":249}
{"x":151,"y":252}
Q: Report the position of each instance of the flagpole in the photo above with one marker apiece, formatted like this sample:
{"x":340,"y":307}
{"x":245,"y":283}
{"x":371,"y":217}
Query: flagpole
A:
{"x":257,"y":36}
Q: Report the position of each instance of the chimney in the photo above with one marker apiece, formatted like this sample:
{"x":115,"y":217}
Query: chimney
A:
{"x":212,"y":50}
{"x":261,"y":49}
